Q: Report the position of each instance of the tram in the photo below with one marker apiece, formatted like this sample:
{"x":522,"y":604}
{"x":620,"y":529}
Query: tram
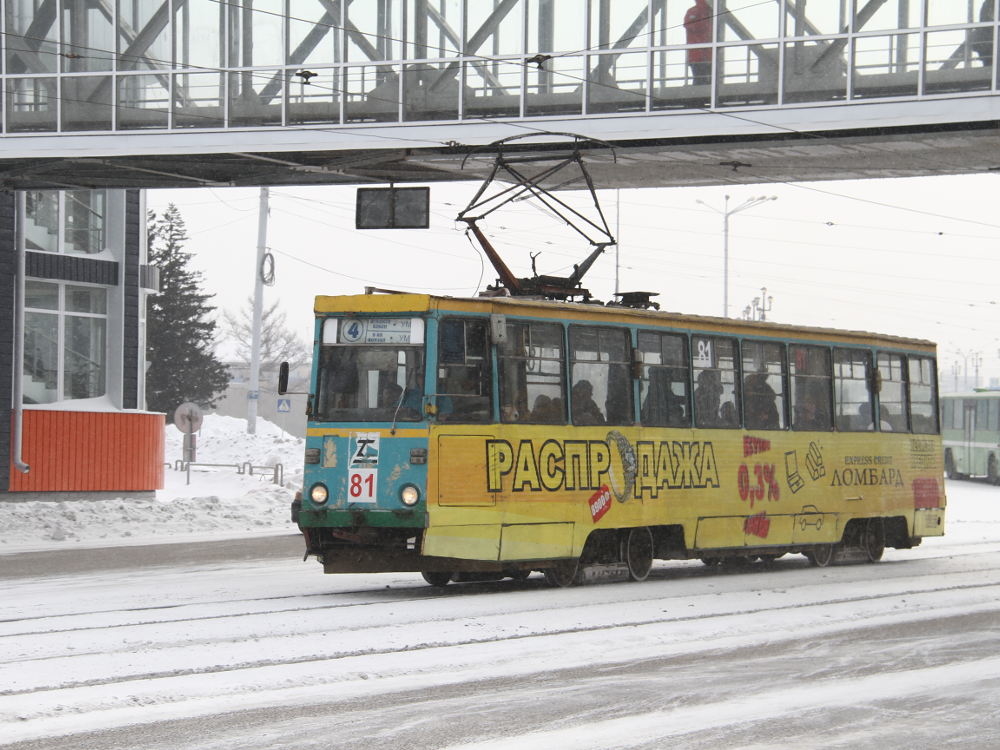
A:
{"x":495,"y":436}
{"x":970,"y":432}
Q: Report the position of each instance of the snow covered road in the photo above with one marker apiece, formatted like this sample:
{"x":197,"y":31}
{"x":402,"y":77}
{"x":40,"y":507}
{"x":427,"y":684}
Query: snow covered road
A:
{"x":183,"y":644}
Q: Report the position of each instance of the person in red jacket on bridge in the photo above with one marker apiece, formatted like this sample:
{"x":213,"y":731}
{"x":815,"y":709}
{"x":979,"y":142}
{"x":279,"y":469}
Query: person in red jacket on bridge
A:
{"x":698,"y":24}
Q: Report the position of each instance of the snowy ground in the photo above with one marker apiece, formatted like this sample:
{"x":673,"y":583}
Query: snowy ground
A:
{"x":218,"y":502}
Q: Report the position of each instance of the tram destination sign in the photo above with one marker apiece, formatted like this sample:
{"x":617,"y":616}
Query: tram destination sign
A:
{"x":381,"y":331}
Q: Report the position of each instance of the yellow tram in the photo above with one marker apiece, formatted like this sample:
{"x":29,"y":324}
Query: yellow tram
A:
{"x":471,"y":438}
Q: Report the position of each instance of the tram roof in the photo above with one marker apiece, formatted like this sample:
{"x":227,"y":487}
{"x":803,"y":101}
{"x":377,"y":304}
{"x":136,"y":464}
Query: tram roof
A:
{"x":536,"y":307}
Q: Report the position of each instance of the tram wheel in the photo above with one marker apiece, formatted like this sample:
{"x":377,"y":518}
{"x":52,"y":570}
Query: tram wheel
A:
{"x":436,"y":578}
{"x":711,"y":561}
{"x":638,"y":553}
{"x":821,"y":555}
{"x":872,"y":540}
{"x":562,"y":574}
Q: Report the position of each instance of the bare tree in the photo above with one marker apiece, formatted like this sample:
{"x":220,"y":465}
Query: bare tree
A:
{"x":277,"y":342}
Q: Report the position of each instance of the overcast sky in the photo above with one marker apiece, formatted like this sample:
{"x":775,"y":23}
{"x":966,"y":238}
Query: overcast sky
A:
{"x":915,"y":257}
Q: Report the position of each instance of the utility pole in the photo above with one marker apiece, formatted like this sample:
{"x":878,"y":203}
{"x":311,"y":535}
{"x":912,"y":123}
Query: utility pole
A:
{"x":253,"y":392}
{"x":726,"y":212}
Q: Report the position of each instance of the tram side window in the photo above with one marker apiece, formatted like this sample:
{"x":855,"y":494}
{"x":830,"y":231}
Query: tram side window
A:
{"x":809,"y":368}
{"x":763,"y":385}
{"x":982,"y":414}
{"x":716,"y":389}
{"x":601,"y":375}
{"x":531,"y":374}
{"x":664,"y":389}
{"x":852,"y":390}
{"x":892,"y":406}
{"x":463,"y":379}
{"x":923,"y":395}
{"x":947,"y":412}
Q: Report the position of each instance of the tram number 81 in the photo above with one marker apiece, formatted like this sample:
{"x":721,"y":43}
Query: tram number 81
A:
{"x":361,"y":485}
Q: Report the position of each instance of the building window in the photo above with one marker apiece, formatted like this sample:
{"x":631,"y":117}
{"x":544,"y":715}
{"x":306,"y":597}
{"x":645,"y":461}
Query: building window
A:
{"x":68,"y":221}
{"x":65,"y":342}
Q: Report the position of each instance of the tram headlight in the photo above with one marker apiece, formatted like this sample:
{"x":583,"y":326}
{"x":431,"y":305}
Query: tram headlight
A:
{"x":409,"y":494}
{"x":318,"y":494}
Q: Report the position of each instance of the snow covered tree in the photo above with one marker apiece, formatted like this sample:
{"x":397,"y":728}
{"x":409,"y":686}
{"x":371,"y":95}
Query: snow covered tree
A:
{"x":180,"y":329}
{"x":277,"y":342}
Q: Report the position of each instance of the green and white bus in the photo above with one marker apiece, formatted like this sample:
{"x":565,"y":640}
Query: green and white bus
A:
{"x":970,"y":432}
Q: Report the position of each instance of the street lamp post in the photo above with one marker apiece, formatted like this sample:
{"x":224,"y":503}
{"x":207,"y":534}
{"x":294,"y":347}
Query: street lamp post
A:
{"x":726,"y":212}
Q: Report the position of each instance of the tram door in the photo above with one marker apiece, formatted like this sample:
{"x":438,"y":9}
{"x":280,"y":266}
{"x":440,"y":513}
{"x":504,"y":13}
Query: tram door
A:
{"x":968,"y":452}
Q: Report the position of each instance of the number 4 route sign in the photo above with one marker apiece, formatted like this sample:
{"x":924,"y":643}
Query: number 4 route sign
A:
{"x":284,"y":405}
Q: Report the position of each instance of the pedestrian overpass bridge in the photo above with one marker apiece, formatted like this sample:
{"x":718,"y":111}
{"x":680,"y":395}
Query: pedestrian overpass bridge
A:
{"x":156,"y":93}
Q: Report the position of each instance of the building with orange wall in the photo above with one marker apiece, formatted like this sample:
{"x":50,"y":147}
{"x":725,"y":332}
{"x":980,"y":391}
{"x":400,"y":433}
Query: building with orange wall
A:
{"x":82,"y":426}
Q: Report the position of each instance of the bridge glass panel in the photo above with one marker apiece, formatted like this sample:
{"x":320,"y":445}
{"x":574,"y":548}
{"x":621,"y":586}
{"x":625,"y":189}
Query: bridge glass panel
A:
{"x":199,"y":100}
{"x":143,"y":35}
{"x":371,"y":93}
{"x":739,"y":21}
{"x":254,"y":99}
{"x":31,"y":104}
{"x":86,"y":103}
{"x":747,"y":75}
{"x":430,"y":91}
{"x":491,"y":89}
{"x":31,"y":41}
{"x":673,"y":85}
{"x":315,"y":101}
{"x":815,"y":71}
{"x":497,"y":29}
{"x":947,"y":12}
{"x":557,"y":88}
{"x":887,"y":16}
{"x":886,"y":66}
{"x":951,"y":65}
{"x":261,"y":37}
{"x":315,"y":33}
{"x":375,"y":30}
{"x":616,"y":25}
{"x":617,"y":82}
{"x":444,"y":30}
{"x":88,"y":40}
{"x":547,"y":27}
{"x":805,"y":18}
{"x":198,"y":35}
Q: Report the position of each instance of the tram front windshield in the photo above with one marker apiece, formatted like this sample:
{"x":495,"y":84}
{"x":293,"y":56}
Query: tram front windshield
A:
{"x":371,"y":380}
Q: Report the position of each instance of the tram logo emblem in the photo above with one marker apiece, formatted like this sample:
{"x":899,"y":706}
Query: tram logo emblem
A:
{"x":364,"y":450}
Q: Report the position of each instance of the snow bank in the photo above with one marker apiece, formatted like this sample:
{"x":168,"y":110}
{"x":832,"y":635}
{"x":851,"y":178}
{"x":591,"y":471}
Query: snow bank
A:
{"x":218,"y":502}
